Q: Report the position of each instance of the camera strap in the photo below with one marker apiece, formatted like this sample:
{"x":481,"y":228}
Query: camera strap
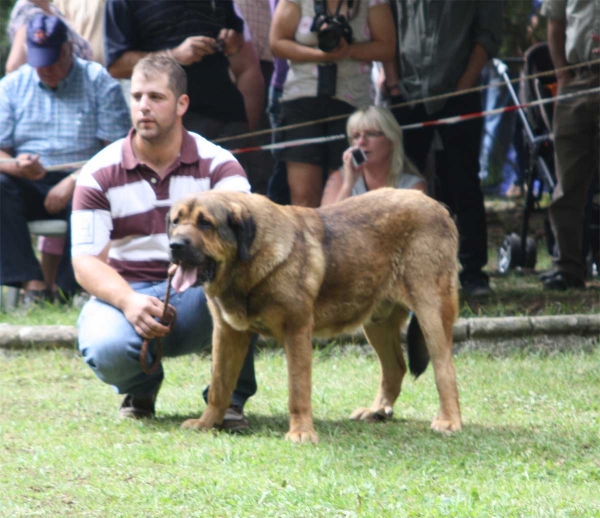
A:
{"x":321,"y":7}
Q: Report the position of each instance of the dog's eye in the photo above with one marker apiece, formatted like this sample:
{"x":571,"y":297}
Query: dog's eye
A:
{"x":175,"y":222}
{"x":204,"y":224}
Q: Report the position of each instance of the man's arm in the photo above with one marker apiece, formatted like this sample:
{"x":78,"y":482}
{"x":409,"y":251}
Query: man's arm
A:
{"x":100,"y":280}
{"x":556,"y":45}
{"x":250,"y":82}
{"x":477,"y":60}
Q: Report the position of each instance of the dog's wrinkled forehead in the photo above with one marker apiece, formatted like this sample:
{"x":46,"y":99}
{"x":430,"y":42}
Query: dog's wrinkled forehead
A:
{"x":192,"y":211}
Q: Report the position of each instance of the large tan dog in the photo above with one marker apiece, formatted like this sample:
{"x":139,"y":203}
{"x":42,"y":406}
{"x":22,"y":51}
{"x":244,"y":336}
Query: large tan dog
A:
{"x":293,"y":273}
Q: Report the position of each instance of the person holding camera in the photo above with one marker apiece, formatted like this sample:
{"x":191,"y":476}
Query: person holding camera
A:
{"x":330,"y":45}
{"x":374,"y":159}
{"x":207,"y":40}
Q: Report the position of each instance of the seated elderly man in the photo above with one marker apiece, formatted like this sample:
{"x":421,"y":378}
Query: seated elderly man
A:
{"x":54,"y":110}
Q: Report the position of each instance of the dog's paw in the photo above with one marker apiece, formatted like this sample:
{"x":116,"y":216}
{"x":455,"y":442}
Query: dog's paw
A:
{"x":195,"y":424}
{"x":446,"y":426}
{"x":372,"y":416}
{"x":302,"y":437}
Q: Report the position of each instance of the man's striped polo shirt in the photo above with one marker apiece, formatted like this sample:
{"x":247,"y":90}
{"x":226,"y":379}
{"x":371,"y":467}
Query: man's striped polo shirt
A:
{"x":122,"y":201}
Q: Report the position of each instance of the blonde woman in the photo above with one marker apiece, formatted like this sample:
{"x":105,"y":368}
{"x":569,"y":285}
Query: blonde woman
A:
{"x":374,"y":132}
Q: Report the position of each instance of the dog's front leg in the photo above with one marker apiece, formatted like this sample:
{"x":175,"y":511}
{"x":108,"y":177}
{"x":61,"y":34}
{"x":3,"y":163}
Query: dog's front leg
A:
{"x":298,"y":349}
{"x":229,"y":350}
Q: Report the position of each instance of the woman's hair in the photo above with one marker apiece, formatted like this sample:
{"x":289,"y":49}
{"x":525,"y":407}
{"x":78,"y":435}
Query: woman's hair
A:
{"x":382,"y":119}
{"x":154,"y":64}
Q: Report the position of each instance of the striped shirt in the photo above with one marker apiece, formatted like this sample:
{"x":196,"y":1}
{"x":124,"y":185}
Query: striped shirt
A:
{"x":122,"y":201}
{"x":63,"y":125}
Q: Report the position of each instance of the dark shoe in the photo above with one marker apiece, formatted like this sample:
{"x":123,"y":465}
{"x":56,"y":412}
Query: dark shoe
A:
{"x":234,"y":420}
{"x":562,"y":281}
{"x":476,"y":285}
{"x":138,"y":407}
{"x":547,"y":274}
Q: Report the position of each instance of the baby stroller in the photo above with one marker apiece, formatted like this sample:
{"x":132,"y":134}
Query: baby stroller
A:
{"x":520,"y":250}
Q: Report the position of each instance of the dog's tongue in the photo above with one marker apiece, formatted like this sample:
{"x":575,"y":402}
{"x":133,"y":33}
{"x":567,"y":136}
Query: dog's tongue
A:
{"x":183,"y":279}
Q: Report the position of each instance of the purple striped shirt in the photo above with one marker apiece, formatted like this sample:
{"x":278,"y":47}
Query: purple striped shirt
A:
{"x":120,"y":201}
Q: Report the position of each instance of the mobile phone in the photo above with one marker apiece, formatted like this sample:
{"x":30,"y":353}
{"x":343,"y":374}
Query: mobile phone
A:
{"x":358,"y":157}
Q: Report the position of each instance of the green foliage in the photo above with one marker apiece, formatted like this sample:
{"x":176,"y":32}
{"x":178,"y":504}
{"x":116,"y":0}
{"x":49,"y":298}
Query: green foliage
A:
{"x":520,"y":30}
{"x":529,"y":447}
{"x":5,"y":9}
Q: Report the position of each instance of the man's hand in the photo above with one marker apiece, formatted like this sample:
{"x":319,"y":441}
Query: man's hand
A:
{"x":232,"y":41}
{"x":194,"y":49}
{"x":29,"y":167}
{"x":60,"y":195}
{"x":564,"y":77}
{"x":142,"y":311}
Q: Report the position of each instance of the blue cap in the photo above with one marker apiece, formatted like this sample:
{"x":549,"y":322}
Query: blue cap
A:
{"x":45,"y":36}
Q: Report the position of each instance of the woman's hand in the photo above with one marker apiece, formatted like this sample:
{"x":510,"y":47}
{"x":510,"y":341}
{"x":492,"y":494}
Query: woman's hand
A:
{"x":351,"y":172}
{"x":342,"y":51}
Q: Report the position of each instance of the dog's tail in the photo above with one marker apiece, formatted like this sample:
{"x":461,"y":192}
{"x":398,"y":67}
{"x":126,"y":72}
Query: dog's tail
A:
{"x":418,"y":355}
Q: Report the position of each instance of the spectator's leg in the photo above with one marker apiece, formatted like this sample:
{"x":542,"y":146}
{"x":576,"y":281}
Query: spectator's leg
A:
{"x":461,"y":151}
{"x":576,"y":135}
{"x":20,"y":201}
{"x":306,"y":184}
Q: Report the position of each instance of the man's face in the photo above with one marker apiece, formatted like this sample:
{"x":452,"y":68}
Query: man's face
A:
{"x":53,"y":74}
{"x":154,"y":109}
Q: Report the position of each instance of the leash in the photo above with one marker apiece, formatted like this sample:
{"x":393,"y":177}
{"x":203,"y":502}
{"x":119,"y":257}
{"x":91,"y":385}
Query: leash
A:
{"x":167,"y":319}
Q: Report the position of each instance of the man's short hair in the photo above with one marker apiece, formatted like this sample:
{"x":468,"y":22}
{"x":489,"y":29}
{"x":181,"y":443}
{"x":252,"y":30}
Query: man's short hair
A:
{"x":163,"y":64}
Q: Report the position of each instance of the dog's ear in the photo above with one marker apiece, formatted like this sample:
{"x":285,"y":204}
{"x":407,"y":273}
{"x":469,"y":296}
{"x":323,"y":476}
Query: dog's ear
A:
{"x":244,"y":229}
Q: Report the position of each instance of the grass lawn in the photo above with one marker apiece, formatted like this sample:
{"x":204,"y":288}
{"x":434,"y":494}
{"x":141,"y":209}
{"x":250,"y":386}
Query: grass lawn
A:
{"x":530,"y":444}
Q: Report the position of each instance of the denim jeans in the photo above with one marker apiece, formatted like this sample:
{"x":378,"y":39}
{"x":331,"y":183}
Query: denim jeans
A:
{"x":111,"y":347}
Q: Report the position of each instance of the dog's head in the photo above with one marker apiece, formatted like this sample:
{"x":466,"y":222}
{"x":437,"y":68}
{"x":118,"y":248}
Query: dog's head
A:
{"x":208,"y":232}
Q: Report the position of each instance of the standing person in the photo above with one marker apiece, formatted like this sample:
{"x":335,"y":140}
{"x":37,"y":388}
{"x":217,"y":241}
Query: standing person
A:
{"x":57,"y":109}
{"x":88,"y":20}
{"x":443,"y":46}
{"x":120,"y":244}
{"x":328,"y":76}
{"x":374,"y":132}
{"x":573,"y":38}
{"x":206,"y":38}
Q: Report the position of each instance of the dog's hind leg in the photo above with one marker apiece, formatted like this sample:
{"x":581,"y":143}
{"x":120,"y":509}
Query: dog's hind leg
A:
{"x":384,"y":337}
{"x":436,"y":324}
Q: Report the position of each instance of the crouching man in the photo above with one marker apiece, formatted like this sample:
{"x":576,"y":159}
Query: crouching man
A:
{"x":120,"y":246}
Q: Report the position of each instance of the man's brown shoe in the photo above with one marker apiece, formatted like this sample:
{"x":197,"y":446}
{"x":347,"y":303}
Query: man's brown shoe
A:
{"x":234,"y":420}
{"x":138,"y":407}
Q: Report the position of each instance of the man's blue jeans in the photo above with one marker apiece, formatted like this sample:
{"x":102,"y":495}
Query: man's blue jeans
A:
{"x":111,"y":347}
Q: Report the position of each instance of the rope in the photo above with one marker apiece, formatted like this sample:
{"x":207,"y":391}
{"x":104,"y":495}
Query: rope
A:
{"x":167,"y":319}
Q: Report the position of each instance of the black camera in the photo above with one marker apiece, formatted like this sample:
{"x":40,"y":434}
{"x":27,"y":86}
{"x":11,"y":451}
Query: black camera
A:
{"x":331,"y":29}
